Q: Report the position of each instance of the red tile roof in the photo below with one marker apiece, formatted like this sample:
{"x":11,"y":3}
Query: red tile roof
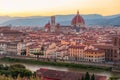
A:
{"x":63,"y":75}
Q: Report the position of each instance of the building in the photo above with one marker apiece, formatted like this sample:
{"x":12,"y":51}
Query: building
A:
{"x":47,"y":27}
{"x":67,"y":42}
{"x":12,"y":33}
{"x":3,"y":28}
{"x":86,"y":53}
{"x":52,"y":24}
{"x":62,"y":54}
{"x":11,"y":47}
{"x":112,"y":51}
{"x":50,"y":51}
{"x":33,"y":50}
{"x":94,"y":55}
{"x":57,"y":28}
{"x":48,"y":74}
{"x":116,"y":50}
{"x":14,"y":48}
{"x":76,"y":52}
{"x":3,"y":46}
{"x":116,"y":67}
{"x":78,"y":23}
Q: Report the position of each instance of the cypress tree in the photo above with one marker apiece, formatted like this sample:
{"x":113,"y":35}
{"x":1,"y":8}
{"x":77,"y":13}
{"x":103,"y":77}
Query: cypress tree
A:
{"x":82,"y":78}
{"x":87,"y":76}
{"x":93,"y":77}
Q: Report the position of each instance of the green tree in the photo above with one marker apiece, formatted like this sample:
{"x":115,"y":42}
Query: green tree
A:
{"x":1,"y":66}
{"x":82,"y":78}
{"x":114,"y":78}
{"x":15,"y":70}
{"x":42,"y":50}
{"x":16,"y":66}
{"x":87,"y":76}
{"x":93,"y":77}
{"x":36,"y":54}
{"x":21,"y":73}
{"x":23,"y":52}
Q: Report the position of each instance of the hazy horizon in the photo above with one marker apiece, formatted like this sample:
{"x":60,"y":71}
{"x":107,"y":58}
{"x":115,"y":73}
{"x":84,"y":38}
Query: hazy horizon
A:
{"x":57,"y":15}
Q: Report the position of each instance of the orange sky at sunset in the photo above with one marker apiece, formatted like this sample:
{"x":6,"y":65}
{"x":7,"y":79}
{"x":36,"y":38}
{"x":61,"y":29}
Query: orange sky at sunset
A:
{"x":53,"y":7}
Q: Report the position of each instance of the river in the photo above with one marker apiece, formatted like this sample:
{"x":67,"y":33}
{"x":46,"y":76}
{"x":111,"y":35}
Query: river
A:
{"x":36,"y":67}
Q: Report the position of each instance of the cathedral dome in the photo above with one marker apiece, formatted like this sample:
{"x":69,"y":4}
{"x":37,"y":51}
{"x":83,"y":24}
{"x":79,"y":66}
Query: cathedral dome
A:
{"x":78,"y":20}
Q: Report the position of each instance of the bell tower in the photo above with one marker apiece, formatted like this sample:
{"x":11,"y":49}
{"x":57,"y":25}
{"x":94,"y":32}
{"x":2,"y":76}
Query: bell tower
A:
{"x":52,"y":23}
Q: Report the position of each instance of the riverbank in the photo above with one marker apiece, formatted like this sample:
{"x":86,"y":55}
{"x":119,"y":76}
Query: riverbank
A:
{"x":60,"y":64}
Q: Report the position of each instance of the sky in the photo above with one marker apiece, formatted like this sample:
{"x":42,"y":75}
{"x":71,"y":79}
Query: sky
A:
{"x":23,"y":8}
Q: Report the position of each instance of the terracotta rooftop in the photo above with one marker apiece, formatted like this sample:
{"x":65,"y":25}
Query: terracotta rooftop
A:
{"x":63,"y":75}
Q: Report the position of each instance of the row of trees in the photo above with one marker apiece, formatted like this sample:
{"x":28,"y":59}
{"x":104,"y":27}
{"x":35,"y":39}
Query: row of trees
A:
{"x":15,"y":70}
{"x":114,"y":78}
{"x":3,"y":77}
{"x":60,"y":64}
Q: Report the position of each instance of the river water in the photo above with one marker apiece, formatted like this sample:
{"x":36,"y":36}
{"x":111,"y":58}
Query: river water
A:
{"x":36,"y":67}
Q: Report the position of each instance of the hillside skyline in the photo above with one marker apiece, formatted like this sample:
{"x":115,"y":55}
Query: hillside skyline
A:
{"x":93,"y":19}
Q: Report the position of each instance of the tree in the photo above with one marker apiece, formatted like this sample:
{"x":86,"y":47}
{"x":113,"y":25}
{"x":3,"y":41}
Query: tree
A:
{"x":37,"y":54}
{"x":22,"y":72}
{"x":23,"y":52}
{"x":1,"y":66}
{"x":114,"y":78}
{"x":93,"y":77}
{"x":42,"y":50}
{"x":82,"y":78}
{"x":15,"y":70}
{"x":87,"y":76}
{"x":16,"y":66}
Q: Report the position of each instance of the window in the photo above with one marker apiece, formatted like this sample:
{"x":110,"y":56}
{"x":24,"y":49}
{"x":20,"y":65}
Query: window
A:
{"x":115,"y":51}
{"x":115,"y":56}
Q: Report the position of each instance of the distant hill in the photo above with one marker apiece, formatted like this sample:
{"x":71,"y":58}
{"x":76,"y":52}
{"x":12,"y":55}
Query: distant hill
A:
{"x":114,"y":21}
{"x":4,"y":18}
{"x":90,"y":19}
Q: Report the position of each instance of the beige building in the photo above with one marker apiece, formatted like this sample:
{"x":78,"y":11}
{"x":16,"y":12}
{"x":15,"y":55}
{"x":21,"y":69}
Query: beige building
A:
{"x":3,"y":46}
{"x":76,"y":52}
{"x":94,"y":55}
{"x":50,"y":51}
{"x":62,"y":54}
{"x":66,"y":42}
{"x":14,"y":48}
{"x":31,"y":50}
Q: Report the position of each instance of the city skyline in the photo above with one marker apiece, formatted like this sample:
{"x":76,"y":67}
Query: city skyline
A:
{"x":23,"y":8}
